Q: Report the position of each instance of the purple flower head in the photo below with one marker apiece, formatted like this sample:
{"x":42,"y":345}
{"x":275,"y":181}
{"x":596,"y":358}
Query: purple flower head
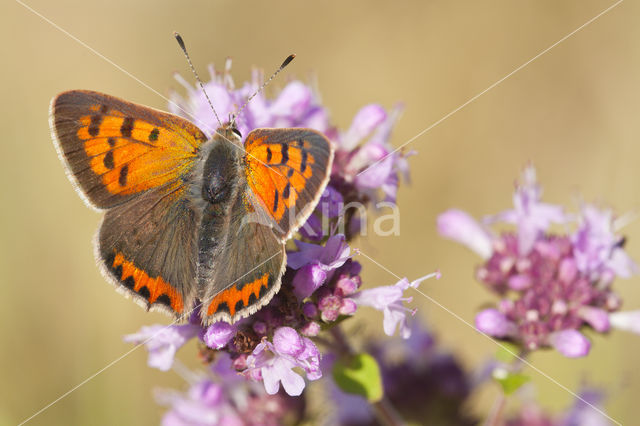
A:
{"x":551,"y":284}
{"x":226,"y":399}
{"x":296,"y":105}
{"x":365,"y":158}
{"x":530,"y":215}
{"x":389,"y":300}
{"x":274,"y":362}
{"x":163,"y":342}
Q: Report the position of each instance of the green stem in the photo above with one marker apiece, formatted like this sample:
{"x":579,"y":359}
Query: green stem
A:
{"x":497,"y":410}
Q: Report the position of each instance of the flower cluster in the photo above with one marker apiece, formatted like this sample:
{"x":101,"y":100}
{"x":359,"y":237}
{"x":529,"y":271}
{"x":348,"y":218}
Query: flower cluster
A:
{"x":551,"y":284}
{"x":219,"y":397}
{"x":321,"y":285}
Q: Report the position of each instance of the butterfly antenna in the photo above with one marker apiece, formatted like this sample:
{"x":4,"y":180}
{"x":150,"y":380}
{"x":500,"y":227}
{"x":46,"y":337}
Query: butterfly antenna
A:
{"x":284,"y":64}
{"x":184,"y":49}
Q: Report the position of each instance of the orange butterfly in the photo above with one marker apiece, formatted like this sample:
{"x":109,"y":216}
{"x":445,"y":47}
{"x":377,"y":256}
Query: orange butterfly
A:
{"x":191,"y":222}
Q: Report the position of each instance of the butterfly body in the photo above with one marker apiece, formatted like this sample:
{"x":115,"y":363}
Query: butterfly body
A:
{"x":191,"y":222}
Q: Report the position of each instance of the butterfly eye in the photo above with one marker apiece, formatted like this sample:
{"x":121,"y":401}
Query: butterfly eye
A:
{"x":237,"y":132}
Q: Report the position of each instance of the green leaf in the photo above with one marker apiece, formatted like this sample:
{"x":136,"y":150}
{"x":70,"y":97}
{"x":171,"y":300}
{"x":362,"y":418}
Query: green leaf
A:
{"x":509,"y":381}
{"x":507,"y":352}
{"x":359,"y":375}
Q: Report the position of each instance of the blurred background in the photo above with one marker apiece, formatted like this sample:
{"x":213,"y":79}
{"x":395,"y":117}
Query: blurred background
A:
{"x":573,"y":112}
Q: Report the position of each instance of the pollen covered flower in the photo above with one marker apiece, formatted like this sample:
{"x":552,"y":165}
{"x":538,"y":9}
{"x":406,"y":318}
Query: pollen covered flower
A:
{"x":552,"y":284}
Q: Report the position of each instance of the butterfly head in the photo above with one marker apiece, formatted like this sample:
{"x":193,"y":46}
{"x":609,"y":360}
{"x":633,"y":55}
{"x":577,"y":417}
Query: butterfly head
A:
{"x":229,"y":131}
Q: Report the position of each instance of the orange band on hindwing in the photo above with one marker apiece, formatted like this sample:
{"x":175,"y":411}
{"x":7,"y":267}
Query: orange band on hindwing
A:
{"x":233,"y":299}
{"x":154,"y":290}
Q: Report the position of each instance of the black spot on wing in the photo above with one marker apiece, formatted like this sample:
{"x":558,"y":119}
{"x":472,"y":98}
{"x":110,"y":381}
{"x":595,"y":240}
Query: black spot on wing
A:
{"x":223,"y":307}
{"x":153,"y":136}
{"x":94,"y":126}
{"x":303,"y":161}
{"x":276,"y":196}
{"x":286,"y":191}
{"x":117,"y":271}
{"x":144,"y":292}
{"x":164,"y":299}
{"x":129,"y":282}
{"x":269,"y":155}
{"x":127,"y":127}
{"x":263,"y":290}
{"x":285,"y":153}
{"x":111,"y":257}
{"x":252,"y":299}
{"x":108,"y":160}
{"x":239,"y":306}
{"x":124,"y":172}
{"x":112,"y":142}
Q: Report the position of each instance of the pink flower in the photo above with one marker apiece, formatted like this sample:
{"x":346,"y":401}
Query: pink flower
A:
{"x":163,"y":342}
{"x":389,"y":300}
{"x":274,"y":362}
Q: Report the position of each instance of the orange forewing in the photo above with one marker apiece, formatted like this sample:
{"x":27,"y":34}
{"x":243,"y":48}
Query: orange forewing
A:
{"x":115,"y":148}
{"x":288,"y":170}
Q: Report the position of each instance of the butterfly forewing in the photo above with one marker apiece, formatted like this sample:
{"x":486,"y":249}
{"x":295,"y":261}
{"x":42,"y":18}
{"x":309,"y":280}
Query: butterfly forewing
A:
{"x":287,"y":169}
{"x":115,"y":149}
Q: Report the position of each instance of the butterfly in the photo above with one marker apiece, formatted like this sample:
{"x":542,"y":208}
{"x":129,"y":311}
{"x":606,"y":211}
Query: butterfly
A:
{"x":191,"y":222}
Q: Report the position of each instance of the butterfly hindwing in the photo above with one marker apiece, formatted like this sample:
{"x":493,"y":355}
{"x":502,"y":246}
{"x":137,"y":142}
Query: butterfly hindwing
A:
{"x":115,"y":149}
{"x":247,"y":265}
{"x":287,"y":169}
{"x":148,"y":247}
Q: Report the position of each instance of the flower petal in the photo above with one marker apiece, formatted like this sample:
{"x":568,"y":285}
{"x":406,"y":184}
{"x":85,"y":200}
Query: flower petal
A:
{"x":219,"y":334}
{"x":462,"y":228}
{"x":627,"y":321}
{"x":494,"y":323}
{"x":570,"y":343}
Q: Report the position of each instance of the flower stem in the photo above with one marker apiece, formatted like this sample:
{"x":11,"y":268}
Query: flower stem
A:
{"x":385,"y":412}
{"x":495,"y":416}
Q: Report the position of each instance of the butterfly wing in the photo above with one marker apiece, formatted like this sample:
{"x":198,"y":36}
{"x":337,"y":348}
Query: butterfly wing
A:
{"x":287,"y":170}
{"x":148,"y":249}
{"x":115,"y":149}
{"x":246,"y":267}
{"x":135,"y":161}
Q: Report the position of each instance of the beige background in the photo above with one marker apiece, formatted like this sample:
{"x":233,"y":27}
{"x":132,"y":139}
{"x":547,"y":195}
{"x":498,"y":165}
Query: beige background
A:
{"x":573,"y":112}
